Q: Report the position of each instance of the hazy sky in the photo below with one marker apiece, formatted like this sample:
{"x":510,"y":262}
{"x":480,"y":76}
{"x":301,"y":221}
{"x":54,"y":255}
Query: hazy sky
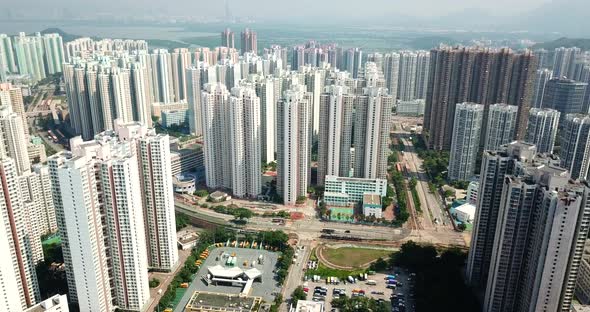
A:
{"x":289,"y":8}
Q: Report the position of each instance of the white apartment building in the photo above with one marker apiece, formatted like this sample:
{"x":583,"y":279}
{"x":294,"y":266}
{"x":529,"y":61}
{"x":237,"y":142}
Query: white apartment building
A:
{"x":244,"y":127}
{"x":335,"y":136}
{"x":13,"y":139}
{"x":542,"y":128}
{"x":501,"y":125}
{"x":293,"y":144}
{"x":465,"y":140}
{"x":17,"y":234}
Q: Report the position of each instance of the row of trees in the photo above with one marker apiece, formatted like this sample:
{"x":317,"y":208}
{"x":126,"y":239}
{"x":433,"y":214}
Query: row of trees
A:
{"x":439,"y":285}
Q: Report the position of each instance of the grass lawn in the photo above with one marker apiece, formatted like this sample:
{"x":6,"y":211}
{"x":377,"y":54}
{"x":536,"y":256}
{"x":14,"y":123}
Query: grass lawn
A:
{"x":325,"y":271}
{"x":353,"y":257}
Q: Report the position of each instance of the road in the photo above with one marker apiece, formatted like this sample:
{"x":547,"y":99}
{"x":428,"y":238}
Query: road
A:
{"x":431,"y":204}
{"x":165,"y":280}
{"x":296,"y":271}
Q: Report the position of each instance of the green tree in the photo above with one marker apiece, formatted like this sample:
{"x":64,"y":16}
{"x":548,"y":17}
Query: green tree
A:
{"x":301,"y":199}
{"x":298,"y":294}
{"x":154,"y":282}
{"x":242,"y":213}
{"x":201,"y":193}
{"x":181,"y":221}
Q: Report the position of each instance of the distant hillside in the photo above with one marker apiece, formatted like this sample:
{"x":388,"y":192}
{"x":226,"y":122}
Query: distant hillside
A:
{"x":65,"y":36}
{"x":427,"y":43}
{"x":581,"y":43}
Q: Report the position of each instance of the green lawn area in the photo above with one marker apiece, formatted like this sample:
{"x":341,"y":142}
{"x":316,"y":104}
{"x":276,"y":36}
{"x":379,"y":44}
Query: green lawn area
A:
{"x":353,"y":257}
{"x":325,"y":271}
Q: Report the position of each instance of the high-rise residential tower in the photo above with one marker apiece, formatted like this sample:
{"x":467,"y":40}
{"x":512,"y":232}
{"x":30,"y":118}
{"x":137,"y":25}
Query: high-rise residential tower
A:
{"x":249,"y":41}
{"x":465,"y":141}
{"x":7,"y":53}
{"x":422,"y":72}
{"x":372,"y":123}
{"x":13,"y":138}
{"x":391,"y":73}
{"x":244,"y":127}
{"x":53,"y":52}
{"x":293,"y":144}
{"x":539,"y":238}
{"x":495,"y":166}
{"x":575,"y":145}
{"x":484,"y":76}
{"x":564,"y":62}
{"x":193,"y":86}
{"x":228,"y":39}
{"x":17,"y":234}
{"x":408,"y":62}
{"x":565,"y":96}
{"x":542,"y":128}
{"x":542,"y":77}
{"x":29,"y":56}
{"x":335,"y":137}
{"x":155,"y":171}
{"x":501,"y":126}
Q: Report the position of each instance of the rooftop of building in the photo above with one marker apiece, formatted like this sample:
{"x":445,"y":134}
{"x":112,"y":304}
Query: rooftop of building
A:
{"x":350,"y":179}
{"x":371,"y":199}
{"x":309,"y":306}
{"x":207,"y":301}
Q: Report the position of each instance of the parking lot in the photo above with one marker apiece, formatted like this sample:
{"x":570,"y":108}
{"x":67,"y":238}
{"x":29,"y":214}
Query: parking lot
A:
{"x":378,"y":291}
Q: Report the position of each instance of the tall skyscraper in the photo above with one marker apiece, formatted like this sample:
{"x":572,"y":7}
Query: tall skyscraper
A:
{"x":564,"y":62}
{"x":354,"y":57}
{"x":13,"y":138}
{"x":37,"y":199}
{"x":244,"y":127}
{"x":231,"y":131}
{"x":575,"y":145}
{"x":228,"y":39}
{"x":565,"y":96}
{"x":10,"y":298}
{"x":483,"y":76}
{"x":249,"y":41}
{"x":501,"y":126}
{"x":539,"y":238}
{"x":214,"y":106}
{"x":193,"y":79}
{"x":293,"y":144}
{"x":391,"y":73}
{"x":465,"y":141}
{"x":422,"y":72}
{"x":408,"y":62}
{"x":78,"y":214}
{"x":268,"y":92}
{"x":542,"y":128}
{"x":99,"y":191}
{"x":372,"y":123}
{"x":20,"y":257}
{"x":315,"y":80}
{"x":180,"y":61}
{"x":155,"y":171}
{"x":335,"y":137}
{"x":541,"y":79}
{"x":495,"y":166}
{"x":12,"y":96}
{"x":7,"y":53}
{"x":29,"y":56}
{"x":99,"y":94}
{"x":53,"y":52}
